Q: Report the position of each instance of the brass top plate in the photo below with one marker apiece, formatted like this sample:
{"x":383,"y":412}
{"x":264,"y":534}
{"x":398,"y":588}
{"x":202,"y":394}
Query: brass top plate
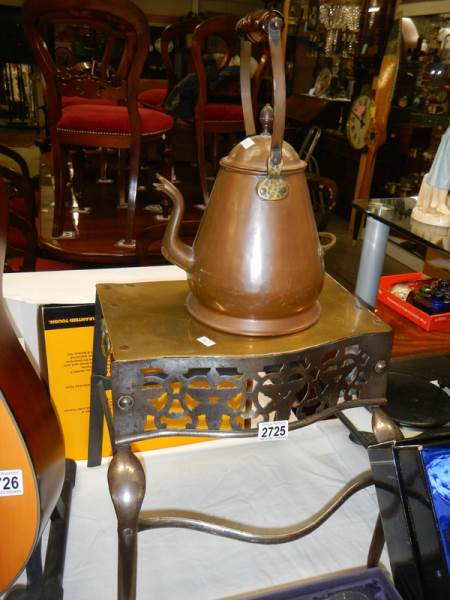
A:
{"x":149,"y":320}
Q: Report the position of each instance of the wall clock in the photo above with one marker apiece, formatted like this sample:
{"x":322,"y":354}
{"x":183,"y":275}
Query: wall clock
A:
{"x":358,"y":121}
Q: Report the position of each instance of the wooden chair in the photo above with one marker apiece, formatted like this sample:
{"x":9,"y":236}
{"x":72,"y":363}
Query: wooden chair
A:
{"x":22,"y":240}
{"x":121,"y":126}
{"x":177,"y":58}
{"x":323,"y":192}
{"x":173,"y":41}
{"x":225,"y":115}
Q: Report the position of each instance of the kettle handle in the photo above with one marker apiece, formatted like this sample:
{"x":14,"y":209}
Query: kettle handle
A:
{"x":246,"y":92}
{"x":256,"y":27}
{"x":323,"y":235}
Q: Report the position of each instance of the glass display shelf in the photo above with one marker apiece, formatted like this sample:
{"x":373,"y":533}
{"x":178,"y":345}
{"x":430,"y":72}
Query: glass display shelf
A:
{"x":396,"y":213}
{"x":384,"y":214}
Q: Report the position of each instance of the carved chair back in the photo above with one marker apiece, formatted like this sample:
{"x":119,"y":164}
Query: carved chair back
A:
{"x":176,"y":39}
{"x":120,"y":23}
{"x":218,"y":107}
{"x":221,"y":31}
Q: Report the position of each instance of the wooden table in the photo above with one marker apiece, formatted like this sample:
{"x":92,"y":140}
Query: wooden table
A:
{"x":412,"y":341}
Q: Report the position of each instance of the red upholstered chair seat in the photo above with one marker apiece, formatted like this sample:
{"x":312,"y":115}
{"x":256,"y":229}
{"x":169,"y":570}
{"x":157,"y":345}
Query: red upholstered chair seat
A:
{"x":77,"y":100}
{"x":223,"y":112}
{"x":153,"y":97}
{"x":111,"y":119}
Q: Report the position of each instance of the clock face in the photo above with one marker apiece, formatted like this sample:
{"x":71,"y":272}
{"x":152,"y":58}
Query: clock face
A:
{"x":358,"y":121}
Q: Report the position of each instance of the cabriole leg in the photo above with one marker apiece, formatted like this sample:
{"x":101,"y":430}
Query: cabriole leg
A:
{"x":126,"y":480}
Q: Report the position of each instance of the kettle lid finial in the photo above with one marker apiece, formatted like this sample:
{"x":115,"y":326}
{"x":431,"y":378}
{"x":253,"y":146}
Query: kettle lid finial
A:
{"x":266,"y":119}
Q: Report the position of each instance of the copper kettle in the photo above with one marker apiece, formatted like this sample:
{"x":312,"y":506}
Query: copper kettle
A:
{"x":256,"y":265}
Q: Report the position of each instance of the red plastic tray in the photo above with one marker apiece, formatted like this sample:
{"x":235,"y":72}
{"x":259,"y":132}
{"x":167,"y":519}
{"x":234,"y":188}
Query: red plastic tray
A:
{"x":420,"y":318}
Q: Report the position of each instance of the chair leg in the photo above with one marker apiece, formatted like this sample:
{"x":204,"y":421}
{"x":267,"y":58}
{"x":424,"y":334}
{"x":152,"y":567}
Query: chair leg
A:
{"x":121,"y":180}
{"x":133,"y":170}
{"x":200,"y":142}
{"x":79,"y":168}
{"x":126,"y":480}
{"x":215,"y":159}
{"x":167,"y":172}
{"x":104,"y":160}
{"x":61,"y":179}
{"x":167,"y":156}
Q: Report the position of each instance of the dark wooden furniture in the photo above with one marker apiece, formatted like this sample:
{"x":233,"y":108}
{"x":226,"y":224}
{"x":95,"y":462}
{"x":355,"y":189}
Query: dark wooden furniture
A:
{"x":410,"y":340}
{"x":211,"y":115}
{"x":22,"y":239}
{"x":323,"y":192}
{"x":173,"y":43}
{"x":338,"y":161}
{"x":123,"y":126}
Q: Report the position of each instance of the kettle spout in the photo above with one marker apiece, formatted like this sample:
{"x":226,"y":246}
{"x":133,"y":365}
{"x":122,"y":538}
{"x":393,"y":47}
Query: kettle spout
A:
{"x":173,"y":249}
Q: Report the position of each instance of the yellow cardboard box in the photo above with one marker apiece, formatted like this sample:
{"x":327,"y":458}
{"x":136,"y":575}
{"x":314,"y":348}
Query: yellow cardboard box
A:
{"x":68,"y":337}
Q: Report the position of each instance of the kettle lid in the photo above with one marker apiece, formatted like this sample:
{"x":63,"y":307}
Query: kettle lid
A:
{"x":251,"y":155}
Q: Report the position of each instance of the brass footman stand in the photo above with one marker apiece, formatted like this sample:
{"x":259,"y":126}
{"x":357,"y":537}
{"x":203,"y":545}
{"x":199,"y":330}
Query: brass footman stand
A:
{"x":165,"y":382}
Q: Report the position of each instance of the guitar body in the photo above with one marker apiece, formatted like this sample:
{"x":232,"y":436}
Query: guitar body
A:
{"x":19,"y":514}
{"x":32,"y":464}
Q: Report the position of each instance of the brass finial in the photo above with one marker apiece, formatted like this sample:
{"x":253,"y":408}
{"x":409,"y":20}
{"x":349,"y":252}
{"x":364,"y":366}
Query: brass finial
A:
{"x":266,"y":119}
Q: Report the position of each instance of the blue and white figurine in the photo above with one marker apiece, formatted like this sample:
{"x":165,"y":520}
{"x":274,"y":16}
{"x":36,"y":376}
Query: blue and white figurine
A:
{"x":432,"y":205}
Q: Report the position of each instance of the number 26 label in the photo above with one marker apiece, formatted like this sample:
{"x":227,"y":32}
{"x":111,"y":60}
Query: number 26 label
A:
{"x":11,"y":483}
{"x":273,"y":430}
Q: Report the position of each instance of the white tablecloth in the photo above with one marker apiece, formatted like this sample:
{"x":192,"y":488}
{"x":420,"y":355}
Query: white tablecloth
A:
{"x":26,"y":292}
{"x":261,"y":483}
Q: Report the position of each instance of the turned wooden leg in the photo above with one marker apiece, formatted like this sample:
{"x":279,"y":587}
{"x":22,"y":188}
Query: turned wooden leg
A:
{"x":133,"y":171}
{"x":122,"y":178}
{"x":200,"y":142}
{"x":167,"y":156}
{"x":166,"y":170}
{"x":79,"y":174}
{"x":126,"y":480}
{"x":61,"y":177}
